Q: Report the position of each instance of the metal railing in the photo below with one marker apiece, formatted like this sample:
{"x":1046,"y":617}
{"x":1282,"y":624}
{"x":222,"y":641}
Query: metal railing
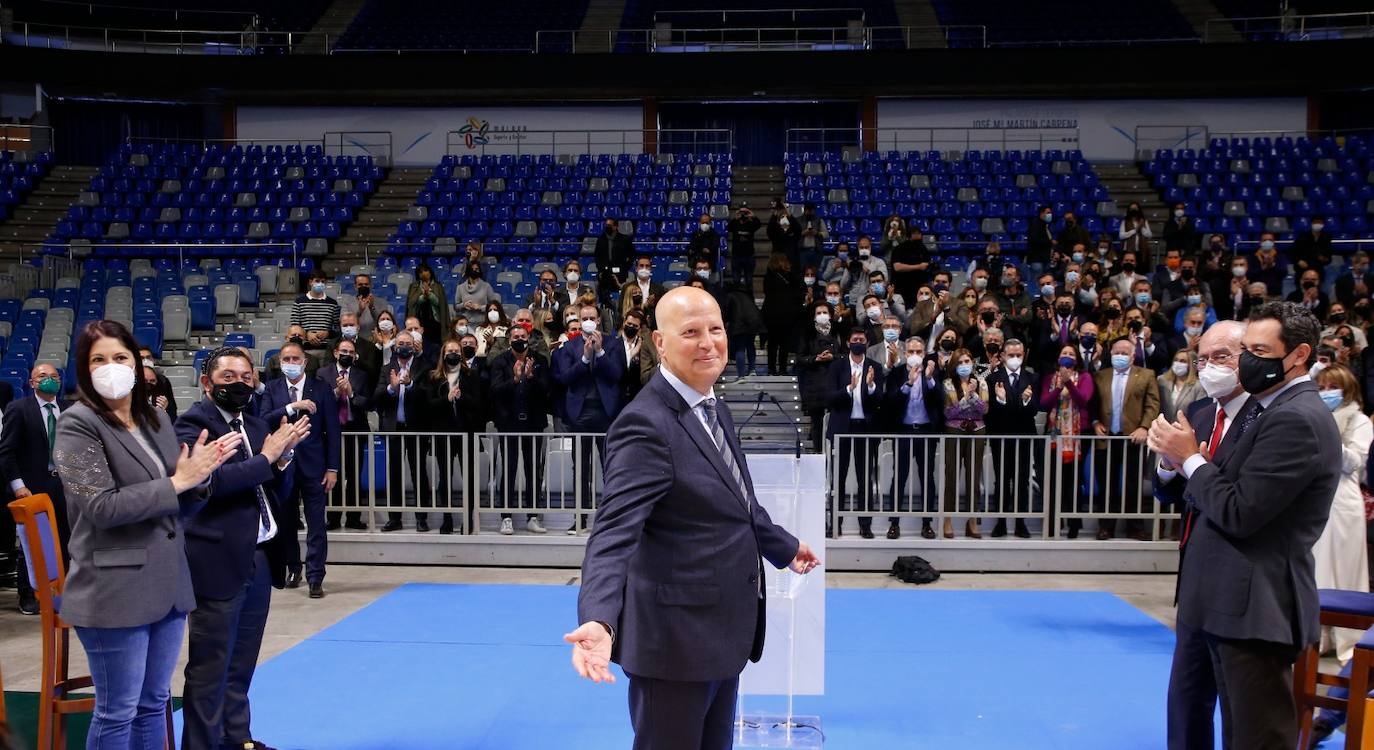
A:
{"x":1151,"y":138}
{"x":481,"y":138}
{"x":161,"y":41}
{"x":374,"y":143}
{"x":207,"y":142}
{"x":1141,"y":42}
{"x":1292,"y":27}
{"x":244,"y":17}
{"x":78,"y":250}
{"x":454,"y":246}
{"x":26,"y":137}
{"x":930,"y":139}
{"x":474,"y":479}
{"x":980,"y":478}
{"x":1294,"y":133}
{"x":792,"y":15}
{"x":758,"y":38}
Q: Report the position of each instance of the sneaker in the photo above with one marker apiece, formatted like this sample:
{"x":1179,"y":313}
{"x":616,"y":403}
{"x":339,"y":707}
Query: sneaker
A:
{"x":572,"y":530}
{"x":534,"y":526}
{"x":507,"y":526}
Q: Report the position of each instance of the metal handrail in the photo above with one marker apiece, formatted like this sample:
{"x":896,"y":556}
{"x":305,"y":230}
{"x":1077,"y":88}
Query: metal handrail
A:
{"x":478,"y":140}
{"x":152,"y":10}
{"x":336,"y":142}
{"x":428,"y":50}
{"x":235,"y":141}
{"x":735,"y":38}
{"x":913,"y":36}
{"x":1170,"y":137}
{"x":725,"y":12}
{"x":1101,"y":42}
{"x":934,"y":138}
{"x":173,"y":41}
{"x":1291,"y":27}
{"x":78,"y":251}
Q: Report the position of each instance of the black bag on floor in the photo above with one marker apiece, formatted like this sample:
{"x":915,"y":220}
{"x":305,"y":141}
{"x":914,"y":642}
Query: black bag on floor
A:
{"x":914,"y":569}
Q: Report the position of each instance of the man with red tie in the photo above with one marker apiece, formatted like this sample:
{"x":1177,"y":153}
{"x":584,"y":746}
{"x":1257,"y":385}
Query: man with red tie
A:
{"x":1192,"y":683}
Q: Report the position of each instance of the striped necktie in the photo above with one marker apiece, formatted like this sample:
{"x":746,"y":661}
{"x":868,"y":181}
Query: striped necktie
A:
{"x":708,"y":409}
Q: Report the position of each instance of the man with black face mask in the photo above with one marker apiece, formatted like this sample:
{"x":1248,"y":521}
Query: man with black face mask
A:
{"x":1057,"y":331}
{"x":368,"y":306}
{"x":236,"y":552}
{"x":1248,"y":581}
{"x":519,"y":397}
{"x":614,"y":254}
{"x":352,"y":394}
{"x":641,"y":357}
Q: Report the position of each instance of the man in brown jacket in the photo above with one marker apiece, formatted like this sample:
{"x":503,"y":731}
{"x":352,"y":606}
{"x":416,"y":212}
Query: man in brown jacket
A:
{"x":1128,"y":401}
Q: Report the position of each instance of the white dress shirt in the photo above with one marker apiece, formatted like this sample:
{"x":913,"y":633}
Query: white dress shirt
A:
{"x":695,"y":399}
{"x":18,"y":483}
{"x":1194,"y":461}
{"x":271,"y":530}
{"x":856,"y":395}
{"x":1232,"y":409}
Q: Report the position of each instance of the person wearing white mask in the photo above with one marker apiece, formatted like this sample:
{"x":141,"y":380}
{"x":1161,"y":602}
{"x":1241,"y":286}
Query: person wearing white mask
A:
{"x":860,"y":269}
{"x":704,"y":243}
{"x":913,"y":407}
{"x":589,"y":366}
{"x":1012,"y":412}
{"x":1128,"y":401}
{"x":1193,"y":323}
{"x":784,"y":232}
{"x":1180,"y":232}
{"x":317,"y":313}
{"x":128,"y":487}
{"x":572,"y":290}
{"x":887,"y":348}
{"x":702,"y":270}
{"x":369,"y":358}
{"x":641,"y":290}
{"x":1192,"y":684}
{"x":494,"y":327}
{"x":817,"y":348}
{"x":1179,"y":386}
{"x":384,"y":336}
{"x":1311,"y":250}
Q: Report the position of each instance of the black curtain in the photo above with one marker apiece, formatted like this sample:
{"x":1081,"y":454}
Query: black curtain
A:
{"x":760,"y":129}
{"x":87,"y":130}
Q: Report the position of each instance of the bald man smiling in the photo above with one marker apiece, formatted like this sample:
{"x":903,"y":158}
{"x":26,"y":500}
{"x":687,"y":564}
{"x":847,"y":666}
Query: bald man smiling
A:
{"x":672,"y":583}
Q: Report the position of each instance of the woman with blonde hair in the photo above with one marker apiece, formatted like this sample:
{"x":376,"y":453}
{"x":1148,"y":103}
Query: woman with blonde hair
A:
{"x":1179,"y":386}
{"x":966,"y":406}
{"x":1340,"y":553}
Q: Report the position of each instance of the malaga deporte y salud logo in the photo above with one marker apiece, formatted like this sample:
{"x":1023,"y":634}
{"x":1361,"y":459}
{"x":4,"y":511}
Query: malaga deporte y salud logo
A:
{"x":475,"y":132}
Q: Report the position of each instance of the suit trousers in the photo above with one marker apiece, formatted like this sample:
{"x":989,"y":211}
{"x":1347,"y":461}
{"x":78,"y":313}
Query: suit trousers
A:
{"x":348,"y":491}
{"x":307,"y":491}
{"x":864,"y":451}
{"x":671,"y":715}
{"x":397,"y":468}
{"x":225,"y":638}
{"x":1254,"y":682}
{"x":1014,"y":462}
{"x":1192,"y":692}
{"x":593,"y":419}
{"x":916,"y":452}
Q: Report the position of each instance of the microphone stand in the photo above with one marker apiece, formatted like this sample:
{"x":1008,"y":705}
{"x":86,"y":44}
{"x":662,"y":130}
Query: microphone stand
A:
{"x":796,"y":428}
{"x":739,"y":431}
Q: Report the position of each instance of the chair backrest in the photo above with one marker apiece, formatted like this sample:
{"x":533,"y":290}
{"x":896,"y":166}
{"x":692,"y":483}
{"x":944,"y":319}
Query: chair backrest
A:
{"x":36,"y":526}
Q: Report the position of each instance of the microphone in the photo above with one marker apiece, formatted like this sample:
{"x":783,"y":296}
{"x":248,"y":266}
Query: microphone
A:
{"x":797,"y":442}
{"x":739,"y":431}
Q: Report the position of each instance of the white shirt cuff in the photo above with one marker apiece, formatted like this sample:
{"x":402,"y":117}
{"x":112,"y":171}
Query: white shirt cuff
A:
{"x":1192,"y":463}
{"x":872,"y":388}
{"x":291,"y":412}
{"x":1167,"y":475}
{"x":17,"y":485}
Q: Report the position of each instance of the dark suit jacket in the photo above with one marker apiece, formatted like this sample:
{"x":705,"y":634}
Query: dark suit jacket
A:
{"x":603,"y":374}
{"x":319,"y":452}
{"x":895,"y":402}
{"x":222,"y":539}
{"x":838,"y":399}
{"x":1314,"y":250}
{"x":362,"y":395}
{"x":614,"y":252}
{"x":1249,"y":571}
{"x":672,"y":563}
{"x":24,"y":449}
{"x":164,"y":388}
{"x":1014,"y":417}
{"x":385,"y":403}
{"x":505,"y":392}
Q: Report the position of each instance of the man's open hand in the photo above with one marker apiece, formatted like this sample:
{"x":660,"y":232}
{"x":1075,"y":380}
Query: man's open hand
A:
{"x":591,"y":653}
{"x":805,"y":561}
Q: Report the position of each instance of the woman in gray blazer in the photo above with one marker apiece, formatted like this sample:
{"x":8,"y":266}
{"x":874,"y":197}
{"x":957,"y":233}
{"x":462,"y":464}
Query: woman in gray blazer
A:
{"x":128,"y":486}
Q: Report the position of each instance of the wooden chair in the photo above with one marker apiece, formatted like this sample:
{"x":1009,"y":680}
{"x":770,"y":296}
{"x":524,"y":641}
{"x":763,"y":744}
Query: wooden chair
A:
{"x":37,"y":531}
{"x":1340,"y":609}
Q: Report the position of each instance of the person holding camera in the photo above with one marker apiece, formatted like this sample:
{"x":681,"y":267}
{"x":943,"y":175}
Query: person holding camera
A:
{"x":741,"y":230}
{"x":614,"y":252}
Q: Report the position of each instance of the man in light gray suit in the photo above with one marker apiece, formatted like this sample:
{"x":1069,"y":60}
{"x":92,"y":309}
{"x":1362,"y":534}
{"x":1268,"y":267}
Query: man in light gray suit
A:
{"x":1248,"y":581}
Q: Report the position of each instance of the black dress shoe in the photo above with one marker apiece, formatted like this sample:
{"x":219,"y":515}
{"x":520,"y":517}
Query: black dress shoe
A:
{"x":355,"y":525}
{"x":927,"y":532}
{"x":293,"y":579}
{"x":28,"y":605}
{"x":999,"y":529}
{"x":866,"y":532}
{"x":316,"y":591}
{"x":894,"y":531}
{"x":333,"y":526}
{"x":1073,"y":531}
{"x":1103,"y":535}
{"x":446,"y":527}
{"x":392,"y":526}
{"x":421,"y":525}
{"x":1320,"y":731}
{"x":1021,"y":531}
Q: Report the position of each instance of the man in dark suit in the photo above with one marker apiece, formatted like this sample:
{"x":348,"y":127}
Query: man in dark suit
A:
{"x":352,"y":395}
{"x":1180,"y":231}
{"x":672,"y":586}
{"x":1192,"y":681}
{"x":589,"y":367}
{"x":854,"y":393}
{"x":1311,"y":249}
{"x":315,"y":470}
{"x":614,"y":252}
{"x":396,"y":400}
{"x":236,"y":552}
{"x":1248,"y":581}
{"x":914,"y":405}
{"x":1011,"y":412}
{"x":519,"y":399}
{"x":26,"y":462}
{"x":365,"y":353}
{"x":1040,"y":241}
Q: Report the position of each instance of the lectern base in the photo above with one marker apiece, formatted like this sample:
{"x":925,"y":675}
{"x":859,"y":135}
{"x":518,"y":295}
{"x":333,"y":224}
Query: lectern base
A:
{"x":774,"y":730}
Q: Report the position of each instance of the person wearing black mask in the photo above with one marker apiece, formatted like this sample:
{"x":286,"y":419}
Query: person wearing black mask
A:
{"x":368,"y":305}
{"x":1356,"y":282}
{"x":450,"y":394}
{"x":1309,"y":293}
{"x":235,"y":547}
{"x":1215,"y":263}
{"x":399,"y":404}
{"x":352,"y":392}
{"x":641,"y":357}
{"x":1089,"y":347}
{"x":1127,"y":277}
{"x":1055,"y":332}
{"x":854,"y":392}
{"x":614,"y":253}
{"x":427,"y":302}
{"x":1073,"y":233}
{"x":519,"y":397}
{"x":474,"y":293}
